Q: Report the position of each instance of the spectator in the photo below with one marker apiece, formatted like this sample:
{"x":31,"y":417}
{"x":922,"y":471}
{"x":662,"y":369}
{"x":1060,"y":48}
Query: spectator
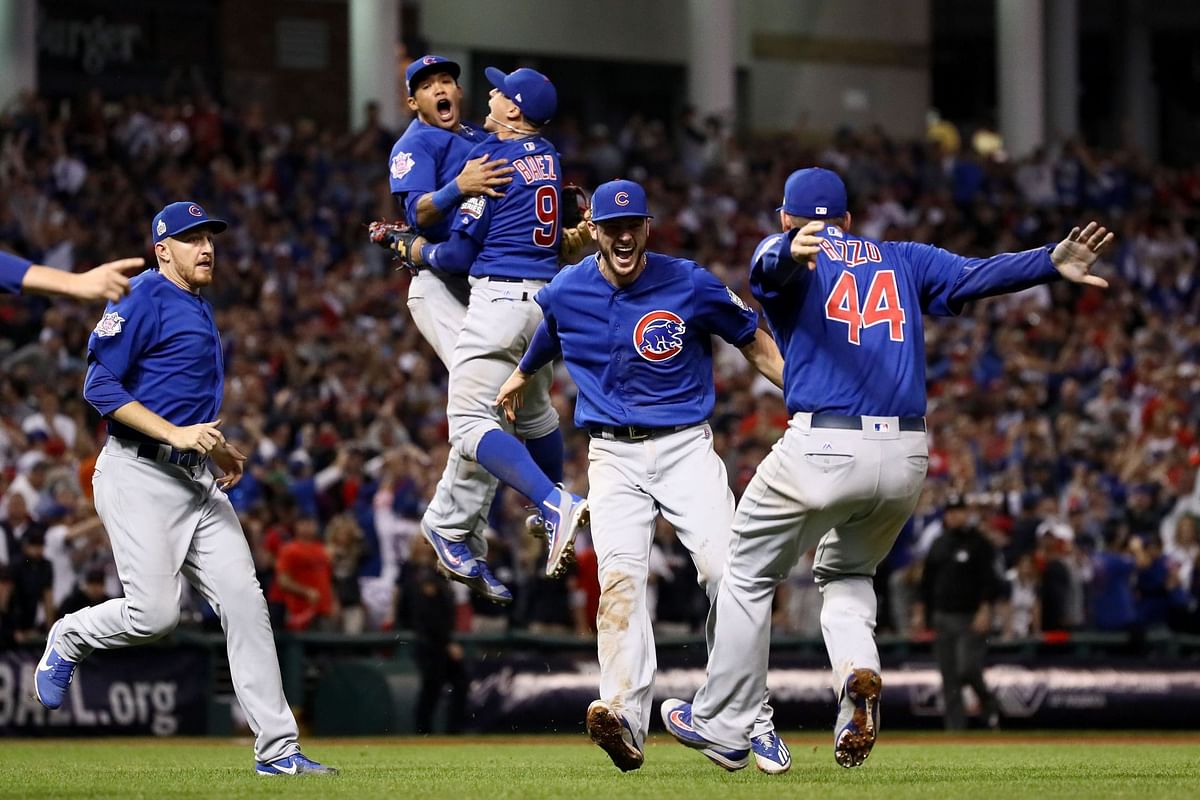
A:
{"x":304,"y":572}
{"x":33,"y":593}
{"x":89,"y":591}
{"x":346,"y":554}
{"x":428,"y":608}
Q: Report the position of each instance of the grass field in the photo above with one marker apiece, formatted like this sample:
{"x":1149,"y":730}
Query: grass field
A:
{"x":924,"y":766}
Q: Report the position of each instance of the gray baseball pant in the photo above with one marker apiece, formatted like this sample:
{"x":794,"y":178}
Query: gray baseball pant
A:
{"x":845,"y":492}
{"x":681,"y":476}
{"x":163,"y":521}
{"x":459,"y":508}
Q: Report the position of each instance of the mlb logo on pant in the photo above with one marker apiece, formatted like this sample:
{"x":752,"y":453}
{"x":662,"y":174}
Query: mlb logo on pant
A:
{"x":881,"y":426}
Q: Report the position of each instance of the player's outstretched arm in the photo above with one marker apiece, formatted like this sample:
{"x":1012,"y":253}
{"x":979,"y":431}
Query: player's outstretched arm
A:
{"x":1075,"y":255}
{"x":105,"y":282}
{"x":764,"y":354}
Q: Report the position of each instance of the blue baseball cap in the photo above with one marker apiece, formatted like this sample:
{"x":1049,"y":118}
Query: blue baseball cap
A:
{"x":427,"y":64}
{"x":617,"y":199}
{"x":814,"y":193}
{"x":532,"y":91}
{"x":182,"y":216}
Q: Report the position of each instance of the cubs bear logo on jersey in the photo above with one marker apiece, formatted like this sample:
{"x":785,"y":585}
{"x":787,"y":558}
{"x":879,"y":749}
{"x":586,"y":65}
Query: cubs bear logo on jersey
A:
{"x":658,"y":336}
{"x":402,"y":164}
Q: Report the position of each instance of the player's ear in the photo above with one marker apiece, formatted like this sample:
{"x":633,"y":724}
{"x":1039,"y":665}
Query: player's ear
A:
{"x":785,"y":224}
{"x":163,"y":252}
{"x":412,"y":103}
{"x":846,"y":223}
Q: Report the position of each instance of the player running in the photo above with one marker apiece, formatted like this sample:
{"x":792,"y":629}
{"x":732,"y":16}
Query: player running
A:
{"x":509,"y":246}
{"x":846,"y":312}
{"x":155,"y":371}
{"x":635,"y":330}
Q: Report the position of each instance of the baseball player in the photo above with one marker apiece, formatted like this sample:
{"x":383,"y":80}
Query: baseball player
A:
{"x":510,"y":247}
{"x":155,"y":372}
{"x":430,"y":174}
{"x":635,"y":330}
{"x":105,"y":282}
{"x":847,"y":474}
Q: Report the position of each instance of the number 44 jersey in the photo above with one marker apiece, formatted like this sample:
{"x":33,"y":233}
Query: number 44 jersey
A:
{"x":850,"y":328}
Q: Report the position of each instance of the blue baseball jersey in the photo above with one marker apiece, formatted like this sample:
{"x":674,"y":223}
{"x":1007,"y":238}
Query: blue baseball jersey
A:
{"x":642,"y":354}
{"x":158,"y":345}
{"x":12,"y":272}
{"x":424,"y":159}
{"x":518,"y":233}
{"x":851,"y":330}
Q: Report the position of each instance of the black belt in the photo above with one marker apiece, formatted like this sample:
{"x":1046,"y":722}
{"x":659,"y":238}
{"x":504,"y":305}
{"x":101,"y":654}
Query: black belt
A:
{"x":852,"y":423}
{"x":154,"y":452}
{"x":633,"y":433}
{"x":504,"y":279}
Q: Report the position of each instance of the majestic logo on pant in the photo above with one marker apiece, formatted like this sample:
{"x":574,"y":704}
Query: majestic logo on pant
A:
{"x":658,"y":336}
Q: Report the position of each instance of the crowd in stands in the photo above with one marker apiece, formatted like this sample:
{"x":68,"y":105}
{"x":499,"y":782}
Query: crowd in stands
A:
{"x":1067,"y":415}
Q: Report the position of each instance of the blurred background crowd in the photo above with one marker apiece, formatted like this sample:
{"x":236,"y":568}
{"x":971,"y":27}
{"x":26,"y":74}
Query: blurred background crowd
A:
{"x":1065,"y":417}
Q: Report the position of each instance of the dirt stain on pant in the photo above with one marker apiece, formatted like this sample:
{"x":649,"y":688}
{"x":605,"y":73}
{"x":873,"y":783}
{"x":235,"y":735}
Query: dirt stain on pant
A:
{"x":617,"y":599}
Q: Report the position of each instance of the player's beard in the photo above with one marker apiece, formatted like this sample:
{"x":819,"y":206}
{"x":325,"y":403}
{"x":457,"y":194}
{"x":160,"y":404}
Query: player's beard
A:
{"x":624,"y":268}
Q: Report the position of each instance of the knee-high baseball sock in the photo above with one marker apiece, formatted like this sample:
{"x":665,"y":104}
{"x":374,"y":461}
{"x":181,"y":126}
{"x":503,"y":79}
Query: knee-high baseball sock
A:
{"x":504,"y":456}
{"x":848,"y":623}
{"x":547,"y":451}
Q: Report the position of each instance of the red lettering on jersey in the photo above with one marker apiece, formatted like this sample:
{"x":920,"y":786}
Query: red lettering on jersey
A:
{"x":827,"y":247}
{"x":882,"y":306}
{"x":842,"y":305}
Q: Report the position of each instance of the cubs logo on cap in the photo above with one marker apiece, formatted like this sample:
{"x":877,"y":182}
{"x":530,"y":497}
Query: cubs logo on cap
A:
{"x":814,"y":193}
{"x":426,"y":65}
{"x":176,"y":218}
{"x":619,"y":199}
{"x":658,"y":336}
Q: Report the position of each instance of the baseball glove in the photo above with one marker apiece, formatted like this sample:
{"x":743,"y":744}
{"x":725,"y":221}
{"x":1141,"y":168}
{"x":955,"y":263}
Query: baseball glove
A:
{"x":396,"y":237}
{"x":575,"y":205}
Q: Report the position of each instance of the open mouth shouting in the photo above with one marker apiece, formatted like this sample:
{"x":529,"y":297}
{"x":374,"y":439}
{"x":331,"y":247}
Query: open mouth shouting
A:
{"x":445,"y":110}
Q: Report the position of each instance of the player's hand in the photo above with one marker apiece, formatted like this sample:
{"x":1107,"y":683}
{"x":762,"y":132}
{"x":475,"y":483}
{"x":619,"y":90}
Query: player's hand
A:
{"x":232,"y":462}
{"x":105,"y":282}
{"x":510,"y":394}
{"x":404,"y":243}
{"x":202,"y":438}
{"x":806,"y":244}
{"x":480,"y":176}
{"x":1074,"y":256}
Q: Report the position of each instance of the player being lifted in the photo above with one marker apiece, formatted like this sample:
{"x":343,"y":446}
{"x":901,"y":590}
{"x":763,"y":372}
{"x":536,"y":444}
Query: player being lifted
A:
{"x":846,"y":312}
{"x":635,"y":331}
{"x":509,"y":246}
{"x":430,"y":174}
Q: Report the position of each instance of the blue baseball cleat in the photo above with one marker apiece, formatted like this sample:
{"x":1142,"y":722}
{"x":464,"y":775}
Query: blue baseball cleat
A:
{"x":771,"y":755}
{"x":296,"y":764}
{"x":858,"y":718}
{"x":485,"y":584}
{"x":677,"y":717}
{"x":612,"y":732}
{"x":53,"y":674}
{"x":454,"y":556}
{"x":563,"y":514}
